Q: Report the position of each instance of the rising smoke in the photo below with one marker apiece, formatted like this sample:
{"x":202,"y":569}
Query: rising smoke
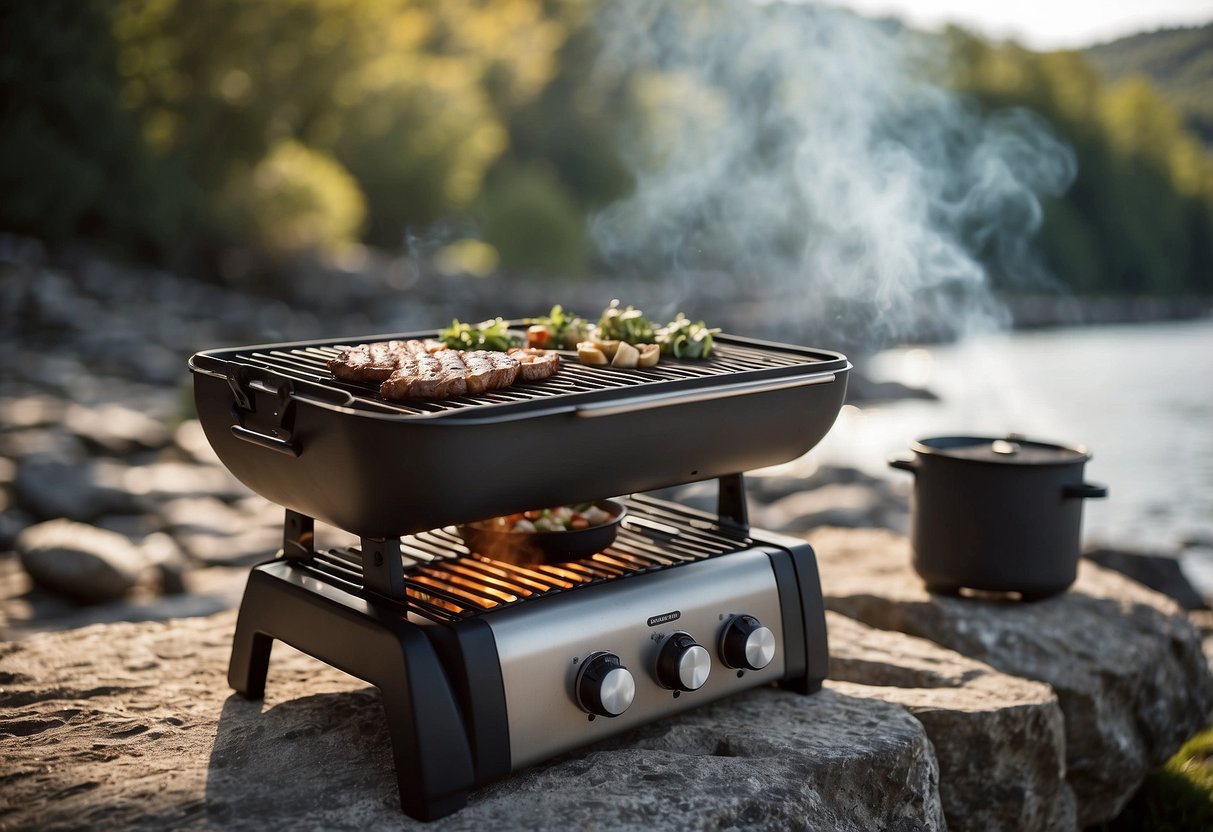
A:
{"x":799,"y":149}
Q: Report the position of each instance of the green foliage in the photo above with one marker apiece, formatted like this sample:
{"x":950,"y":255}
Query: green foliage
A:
{"x":533,"y":223}
{"x":294,"y":201}
{"x":407,"y":95}
{"x":169,"y":129}
{"x":71,"y":163}
{"x":570,"y":127}
{"x":1177,"y":798}
{"x":1139,"y":217}
{"x":1179,"y":62}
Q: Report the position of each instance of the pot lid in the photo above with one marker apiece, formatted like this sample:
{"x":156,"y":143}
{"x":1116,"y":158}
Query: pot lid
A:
{"x":1011,"y":449}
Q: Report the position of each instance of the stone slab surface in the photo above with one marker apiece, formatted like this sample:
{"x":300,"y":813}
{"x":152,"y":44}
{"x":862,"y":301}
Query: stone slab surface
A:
{"x":1000,"y":740}
{"x":133,"y":726}
{"x":1125,"y":662}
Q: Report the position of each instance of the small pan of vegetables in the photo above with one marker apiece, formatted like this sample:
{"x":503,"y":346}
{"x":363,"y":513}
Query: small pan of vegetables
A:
{"x":549,"y":535}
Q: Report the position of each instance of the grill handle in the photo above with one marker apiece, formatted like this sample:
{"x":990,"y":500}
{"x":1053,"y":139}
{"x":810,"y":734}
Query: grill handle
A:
{"x":655,"y":400}
{"x":273,"y":443}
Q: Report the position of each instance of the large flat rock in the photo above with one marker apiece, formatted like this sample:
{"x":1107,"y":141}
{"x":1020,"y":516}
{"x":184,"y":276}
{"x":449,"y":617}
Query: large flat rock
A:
{"x":999,"y":739}
{"x":133,"y":726}
{"x":1125,"y":662}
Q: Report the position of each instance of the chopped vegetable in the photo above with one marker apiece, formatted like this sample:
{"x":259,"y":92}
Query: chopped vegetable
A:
{"x":628,"y":325}
{"x":558,"y":519}
{"x":649,"y":354}
{"x":609,"y":348}
{"x":626,"y":356}
{"x":538,"y":336}
{"x":565,"y":330}
{"x":589,"y":353}
{"x":486,"y":335}
{"x":683,"y":338}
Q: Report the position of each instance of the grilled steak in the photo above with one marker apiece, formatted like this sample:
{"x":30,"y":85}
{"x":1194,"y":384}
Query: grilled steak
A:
{"x":535,"y":365}
{"x":489,"y":370}
{"x":442,"y":375}
{"x":448,"y":373}
{"x":376,"y":362}
{"x":429,"y":370}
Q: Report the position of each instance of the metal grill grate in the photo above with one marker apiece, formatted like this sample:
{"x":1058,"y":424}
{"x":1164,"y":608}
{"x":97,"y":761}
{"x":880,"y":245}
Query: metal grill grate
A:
{"x":445,"y":581}
{"x":308,"y":363}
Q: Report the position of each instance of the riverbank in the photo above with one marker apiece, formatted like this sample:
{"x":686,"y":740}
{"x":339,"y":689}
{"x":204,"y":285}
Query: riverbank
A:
{"x":96,"y":428}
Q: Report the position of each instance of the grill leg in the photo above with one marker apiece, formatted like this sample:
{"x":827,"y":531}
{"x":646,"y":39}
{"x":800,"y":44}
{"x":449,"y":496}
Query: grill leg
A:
{"x":250,"y":658}
{"x":429,"y":741}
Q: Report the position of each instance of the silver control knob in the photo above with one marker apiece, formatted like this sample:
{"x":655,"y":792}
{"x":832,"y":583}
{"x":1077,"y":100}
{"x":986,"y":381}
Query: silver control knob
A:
{"x":682,"y":664}
{"x":604,"y":687}
{"x":745,"y":644}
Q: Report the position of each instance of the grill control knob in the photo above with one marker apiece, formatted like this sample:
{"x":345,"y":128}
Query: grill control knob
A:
{"x":745,"y":644}
{"x":604,"y":686}
{"x":682,"y":664}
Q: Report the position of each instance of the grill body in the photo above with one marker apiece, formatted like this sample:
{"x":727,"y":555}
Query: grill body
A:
{"x":483,"y":666}
{"x":472,"y":694}
{"x":338,"y":453}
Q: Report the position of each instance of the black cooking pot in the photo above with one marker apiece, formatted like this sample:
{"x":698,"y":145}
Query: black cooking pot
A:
{"x":1000,"y":515}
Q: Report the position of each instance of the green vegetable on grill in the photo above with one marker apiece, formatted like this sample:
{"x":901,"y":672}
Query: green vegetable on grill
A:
{"x":628,"y":325}
{"x":683,"y":338}
{"x":563,"y":330}
{"x":486,"y":335}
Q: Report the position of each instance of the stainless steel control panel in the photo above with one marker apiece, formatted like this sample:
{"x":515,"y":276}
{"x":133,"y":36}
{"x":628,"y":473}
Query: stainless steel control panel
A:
{"x":542,"y":646}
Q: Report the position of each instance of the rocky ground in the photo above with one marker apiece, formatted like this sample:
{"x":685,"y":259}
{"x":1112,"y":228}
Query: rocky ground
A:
{"x":963,"y":714}
{"x":112,"y":505}
{"x":114,"y":509}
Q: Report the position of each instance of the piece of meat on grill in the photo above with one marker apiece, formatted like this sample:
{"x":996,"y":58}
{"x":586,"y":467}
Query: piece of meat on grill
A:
{"x":489,"y":370}
{"x":426,"y":369}
{"x":440,"y":375}
{"x":376,"y":362}
{"x":535,"y":365}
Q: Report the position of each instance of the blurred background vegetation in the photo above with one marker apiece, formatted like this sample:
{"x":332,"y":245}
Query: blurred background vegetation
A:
{"x":177,"y":132}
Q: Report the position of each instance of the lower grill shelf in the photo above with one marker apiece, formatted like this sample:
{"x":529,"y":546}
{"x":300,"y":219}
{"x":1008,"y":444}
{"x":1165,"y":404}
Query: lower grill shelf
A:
{"x":444,"y":580}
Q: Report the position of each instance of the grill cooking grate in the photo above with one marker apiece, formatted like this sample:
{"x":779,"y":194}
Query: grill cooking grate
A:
{"x":444,"y":581}
{"x":308,"y":363}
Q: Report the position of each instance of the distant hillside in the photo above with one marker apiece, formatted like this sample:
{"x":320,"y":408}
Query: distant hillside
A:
{"x":1178,"y":61}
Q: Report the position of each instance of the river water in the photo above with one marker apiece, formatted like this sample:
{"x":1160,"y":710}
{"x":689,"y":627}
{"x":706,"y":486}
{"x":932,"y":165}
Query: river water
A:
{"x":1138,"y":396}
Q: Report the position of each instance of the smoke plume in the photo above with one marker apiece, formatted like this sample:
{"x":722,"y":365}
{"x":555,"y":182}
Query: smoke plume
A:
{"x":801,"y":150}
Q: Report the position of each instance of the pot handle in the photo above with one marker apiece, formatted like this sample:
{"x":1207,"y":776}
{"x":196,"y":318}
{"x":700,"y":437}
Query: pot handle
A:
{"x":1085,"y":491}
{"x":902,"y":463}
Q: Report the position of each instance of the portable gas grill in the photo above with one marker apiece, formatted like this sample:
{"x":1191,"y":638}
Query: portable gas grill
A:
{"x":487,"y":667}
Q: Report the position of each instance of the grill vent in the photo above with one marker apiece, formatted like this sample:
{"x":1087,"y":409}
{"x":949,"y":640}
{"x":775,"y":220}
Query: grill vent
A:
{"x":445,"y":581}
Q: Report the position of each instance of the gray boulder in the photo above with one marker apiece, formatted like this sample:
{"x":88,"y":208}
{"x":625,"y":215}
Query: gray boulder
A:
{"x":315,"y":755}
{"x":1000,"y":740}
{"x":1125,"y":662}
{"x":849,"y":505}
{"x":168,"y":480}
{"x":213,"y":532}
{"x":1161,"y":573}
{"x":191,"y":440}
{"x":31,"y":411}
{"x":50,"y":487}
{"x":116,"y":429}
{"x":80,"y":562}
